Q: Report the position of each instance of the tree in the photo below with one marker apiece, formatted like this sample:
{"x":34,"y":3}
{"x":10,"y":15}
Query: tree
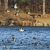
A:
{"x":22,"y":4}
{"x":23,"y":1}
{"x":0,"y":2}
{"x":6,"y":4}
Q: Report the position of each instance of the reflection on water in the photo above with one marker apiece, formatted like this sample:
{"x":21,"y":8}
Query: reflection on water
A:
{"x":31,"y":39}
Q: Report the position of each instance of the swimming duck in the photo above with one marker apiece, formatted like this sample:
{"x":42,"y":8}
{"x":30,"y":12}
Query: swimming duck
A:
{"x":21,"y":30}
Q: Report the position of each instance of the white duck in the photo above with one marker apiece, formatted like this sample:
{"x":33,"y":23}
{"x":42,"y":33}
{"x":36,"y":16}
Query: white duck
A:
{"x":21,"y":30}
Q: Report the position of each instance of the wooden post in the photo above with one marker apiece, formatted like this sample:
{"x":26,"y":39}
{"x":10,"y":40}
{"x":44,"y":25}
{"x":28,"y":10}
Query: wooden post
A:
{"x":6,"y":4}
{"x":43,"y":7}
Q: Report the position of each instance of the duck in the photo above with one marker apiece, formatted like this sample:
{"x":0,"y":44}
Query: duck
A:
{"x":21,"y":30}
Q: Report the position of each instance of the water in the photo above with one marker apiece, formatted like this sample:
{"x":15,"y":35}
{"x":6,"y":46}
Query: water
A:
{"x":33,"y":38}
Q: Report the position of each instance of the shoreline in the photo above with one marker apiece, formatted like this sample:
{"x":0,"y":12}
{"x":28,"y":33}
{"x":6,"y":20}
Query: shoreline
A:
{"x":24,"y":20}
{"x":25,"y":26}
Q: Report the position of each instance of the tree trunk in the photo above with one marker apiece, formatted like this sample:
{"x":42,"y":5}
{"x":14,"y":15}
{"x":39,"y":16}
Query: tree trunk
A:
{"x":43,"y":7}
{"x":0,"y":3}
{"x":6,"y":4}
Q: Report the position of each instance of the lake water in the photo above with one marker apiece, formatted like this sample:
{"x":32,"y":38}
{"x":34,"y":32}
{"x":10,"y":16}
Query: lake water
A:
{"x":33,"y":38}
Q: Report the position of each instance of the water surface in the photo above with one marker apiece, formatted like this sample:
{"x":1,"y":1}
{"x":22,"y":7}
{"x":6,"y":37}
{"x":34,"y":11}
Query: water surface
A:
{"x":33,"y":38}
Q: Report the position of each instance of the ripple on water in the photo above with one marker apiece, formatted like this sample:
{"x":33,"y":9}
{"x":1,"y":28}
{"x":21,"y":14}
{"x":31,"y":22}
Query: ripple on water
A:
{"x":31,"y":39}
